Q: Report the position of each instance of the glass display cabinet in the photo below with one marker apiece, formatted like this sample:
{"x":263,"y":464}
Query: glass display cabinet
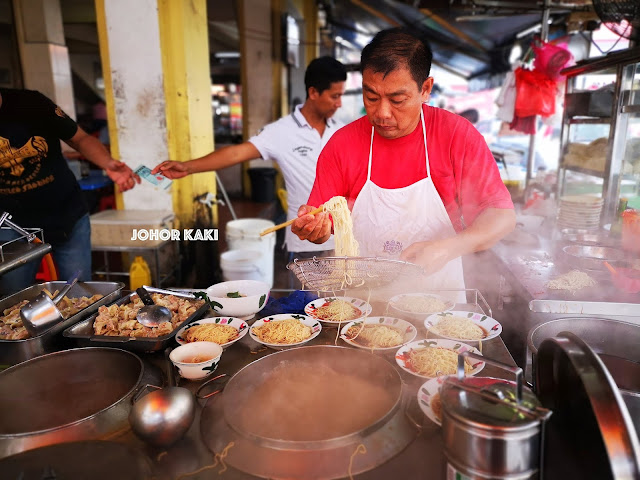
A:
{"x":600,"y":140}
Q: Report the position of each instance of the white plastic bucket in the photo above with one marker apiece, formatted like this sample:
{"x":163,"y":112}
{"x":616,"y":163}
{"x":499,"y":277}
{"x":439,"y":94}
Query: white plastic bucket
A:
{"x":244,"y":234}
{"x":242,"y":265}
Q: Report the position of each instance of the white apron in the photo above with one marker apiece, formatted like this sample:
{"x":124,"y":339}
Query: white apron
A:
{"x":388,"y":220}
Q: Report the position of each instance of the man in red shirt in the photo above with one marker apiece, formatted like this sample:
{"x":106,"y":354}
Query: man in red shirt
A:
{"x":421,"y":182}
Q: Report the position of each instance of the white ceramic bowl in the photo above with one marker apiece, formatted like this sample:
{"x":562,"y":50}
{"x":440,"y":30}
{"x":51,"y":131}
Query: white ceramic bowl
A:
{"x":396,"y":304}
{"x":311,"y":309}
{"x":236,"y":323}
{"x":402,"y":355}
{"x":308,"y":321}
{"x":257,"y":294}
{"x":409,"y":332}
{"x":183,"y":356}
{"x":490,"y":326}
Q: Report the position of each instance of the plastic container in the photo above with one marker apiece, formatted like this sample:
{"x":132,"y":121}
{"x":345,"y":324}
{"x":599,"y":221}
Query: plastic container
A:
{"x":263,"y":184}
{"x":139,"y":273}
{"x":116,"y":227}
{"x":243,"y":265}
{"x":631,"y":230}
{"x":244,"y":234}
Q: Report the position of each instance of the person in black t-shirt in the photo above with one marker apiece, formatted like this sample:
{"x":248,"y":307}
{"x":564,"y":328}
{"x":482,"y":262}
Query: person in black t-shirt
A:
{"x":37,"y":187}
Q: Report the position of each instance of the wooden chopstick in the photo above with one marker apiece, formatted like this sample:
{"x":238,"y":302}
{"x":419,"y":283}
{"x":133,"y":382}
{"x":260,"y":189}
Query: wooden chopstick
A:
{"x":289,"y":222}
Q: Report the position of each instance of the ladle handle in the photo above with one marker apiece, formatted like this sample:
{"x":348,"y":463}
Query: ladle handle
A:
{"x":67,"y":287}
{"x":145,"y":296}
{"x":517,"y":371}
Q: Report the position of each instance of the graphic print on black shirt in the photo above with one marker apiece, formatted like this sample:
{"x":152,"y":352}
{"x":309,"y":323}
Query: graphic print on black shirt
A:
{"x":36,"y":185}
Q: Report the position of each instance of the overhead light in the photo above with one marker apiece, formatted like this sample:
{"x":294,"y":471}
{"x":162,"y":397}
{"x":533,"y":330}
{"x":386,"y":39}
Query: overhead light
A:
{"x":532,"y":29}
{"x":227,"y":55}
{"x":479,"y":17}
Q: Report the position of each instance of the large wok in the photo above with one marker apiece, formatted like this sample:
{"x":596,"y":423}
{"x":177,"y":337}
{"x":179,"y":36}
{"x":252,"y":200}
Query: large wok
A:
{"x":273,"y":456}
{"x":66,"y":396}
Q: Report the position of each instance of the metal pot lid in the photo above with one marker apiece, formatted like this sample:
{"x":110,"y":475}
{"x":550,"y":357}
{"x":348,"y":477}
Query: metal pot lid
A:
{"x":490,"y":403}
{"x":589,"y":414}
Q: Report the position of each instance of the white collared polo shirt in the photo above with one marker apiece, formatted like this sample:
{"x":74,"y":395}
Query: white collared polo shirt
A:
{"x":295,"y":145}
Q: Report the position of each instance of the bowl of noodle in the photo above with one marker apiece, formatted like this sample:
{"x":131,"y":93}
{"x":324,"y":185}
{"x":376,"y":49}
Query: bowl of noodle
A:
{"x":333,"y":311}
{"x":285,"y":330}
{"x":420,"y":304}
{"x":435,"y":357}
{"x":429,"y":398}
{"x":221,"y":330}
{"x":463,"y":326}
{"x":378,"y":333}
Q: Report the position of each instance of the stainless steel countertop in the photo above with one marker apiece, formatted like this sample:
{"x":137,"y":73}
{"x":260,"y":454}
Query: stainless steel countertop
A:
{"x":534,"y":266}
{"x":423,"y":458}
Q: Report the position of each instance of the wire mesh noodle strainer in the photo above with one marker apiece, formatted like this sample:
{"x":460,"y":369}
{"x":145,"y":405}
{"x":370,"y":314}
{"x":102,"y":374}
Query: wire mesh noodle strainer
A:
{"x":336,"y":273}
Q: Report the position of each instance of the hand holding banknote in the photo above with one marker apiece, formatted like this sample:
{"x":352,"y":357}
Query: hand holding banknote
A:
{"x":172,"y":169}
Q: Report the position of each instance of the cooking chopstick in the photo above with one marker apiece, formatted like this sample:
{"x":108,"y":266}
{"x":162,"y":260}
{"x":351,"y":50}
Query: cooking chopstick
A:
{"x":289,"y":222}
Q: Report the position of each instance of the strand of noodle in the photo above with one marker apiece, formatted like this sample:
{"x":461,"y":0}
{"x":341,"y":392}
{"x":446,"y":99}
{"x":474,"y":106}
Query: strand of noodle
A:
{"x":345,"y":243}
{"x":160,"y":455}
{"x":359,"y":449}
{"x":217,"y":458}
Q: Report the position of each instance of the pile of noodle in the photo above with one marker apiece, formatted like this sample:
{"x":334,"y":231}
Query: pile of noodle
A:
{"x":420,"y":304}
{"x":435,"y":361}
{"x":460,"y":328}
{"x":376,"y":336}
{"x":285,"y":331}
{"x":211,"y":332}
{"x":573,"y":281}
{"x":338,"y":311}
{"x":345,"y":243}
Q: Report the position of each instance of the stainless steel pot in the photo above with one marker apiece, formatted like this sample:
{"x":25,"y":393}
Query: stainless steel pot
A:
{"x":263,"y":455}
{"x":66,"y":396}
{"x":491,"y":428}
{"x":614,"y":341}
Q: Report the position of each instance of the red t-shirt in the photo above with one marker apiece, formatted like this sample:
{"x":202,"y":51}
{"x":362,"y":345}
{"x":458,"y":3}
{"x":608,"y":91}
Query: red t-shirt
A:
{"x":464,"y":171}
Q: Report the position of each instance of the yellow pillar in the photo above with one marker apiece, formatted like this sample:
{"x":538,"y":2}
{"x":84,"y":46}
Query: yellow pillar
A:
{"x":187,"y":85}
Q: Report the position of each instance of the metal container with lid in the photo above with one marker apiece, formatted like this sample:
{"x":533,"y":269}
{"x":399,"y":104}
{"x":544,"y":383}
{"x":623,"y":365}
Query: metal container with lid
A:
{"x":492,"y":428}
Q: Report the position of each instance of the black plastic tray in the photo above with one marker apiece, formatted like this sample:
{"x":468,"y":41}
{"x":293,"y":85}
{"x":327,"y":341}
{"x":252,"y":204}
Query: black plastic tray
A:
{"x":82,"y":332}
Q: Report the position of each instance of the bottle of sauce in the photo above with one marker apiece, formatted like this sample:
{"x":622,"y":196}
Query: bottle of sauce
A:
{"x":139,"y":273}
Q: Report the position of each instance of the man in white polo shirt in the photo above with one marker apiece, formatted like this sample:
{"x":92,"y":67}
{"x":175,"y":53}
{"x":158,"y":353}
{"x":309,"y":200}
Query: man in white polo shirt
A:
{"x":294,"y":141}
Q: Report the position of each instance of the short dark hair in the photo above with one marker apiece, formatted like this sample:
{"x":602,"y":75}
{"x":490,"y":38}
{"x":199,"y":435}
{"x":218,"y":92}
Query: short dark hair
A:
{"x":322,"y":72}
{"x":396,"y":48}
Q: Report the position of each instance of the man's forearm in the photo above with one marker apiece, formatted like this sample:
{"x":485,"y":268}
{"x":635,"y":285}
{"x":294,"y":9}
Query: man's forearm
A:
{"x":223,"y":158}
{"x":93,"y":150}
{"x":486,"y":230}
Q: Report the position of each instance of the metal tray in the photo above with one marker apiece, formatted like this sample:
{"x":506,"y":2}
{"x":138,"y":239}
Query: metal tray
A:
{"x":83,"y":334}
{"x":17,"y":351}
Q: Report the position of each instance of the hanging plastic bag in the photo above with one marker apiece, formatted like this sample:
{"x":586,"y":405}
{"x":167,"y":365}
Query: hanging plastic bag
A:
{"x":551,"y":59}
{"x":535,"y":94}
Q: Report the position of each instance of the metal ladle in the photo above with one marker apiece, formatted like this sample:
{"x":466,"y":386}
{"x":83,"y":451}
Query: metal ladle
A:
{"x":162,"y":417}
{"x":41,"y":313}
{"x":151,"y":315}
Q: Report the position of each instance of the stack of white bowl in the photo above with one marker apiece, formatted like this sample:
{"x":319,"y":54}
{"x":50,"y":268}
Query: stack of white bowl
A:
{"x":580,"y":212}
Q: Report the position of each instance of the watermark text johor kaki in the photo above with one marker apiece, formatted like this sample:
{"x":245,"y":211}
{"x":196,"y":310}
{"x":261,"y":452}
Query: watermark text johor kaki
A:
{"x":202,"y":234}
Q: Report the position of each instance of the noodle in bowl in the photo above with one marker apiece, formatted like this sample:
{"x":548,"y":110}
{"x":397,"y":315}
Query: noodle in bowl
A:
{"x":378,"y":334}
{"x":420,"y":304}
{"x":429,"y":399}
{"x":333,"y":311}
{"x":285,"y":330}
{"x":435,"y":357}
{"x":224,"y":331}
{"x":463,"y":326}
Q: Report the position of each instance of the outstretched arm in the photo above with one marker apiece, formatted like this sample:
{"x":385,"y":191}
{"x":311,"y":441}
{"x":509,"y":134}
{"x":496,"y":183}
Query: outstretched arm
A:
{"x":93,"y":150}
{"x":225,"y":157}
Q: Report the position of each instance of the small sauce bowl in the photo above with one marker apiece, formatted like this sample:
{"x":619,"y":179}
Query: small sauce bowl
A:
{"x":196,"y":360}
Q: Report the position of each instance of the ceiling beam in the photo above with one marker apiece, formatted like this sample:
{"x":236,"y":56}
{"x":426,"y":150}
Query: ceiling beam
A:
{"x":376,"y":13}
{"x":456,"y":31}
